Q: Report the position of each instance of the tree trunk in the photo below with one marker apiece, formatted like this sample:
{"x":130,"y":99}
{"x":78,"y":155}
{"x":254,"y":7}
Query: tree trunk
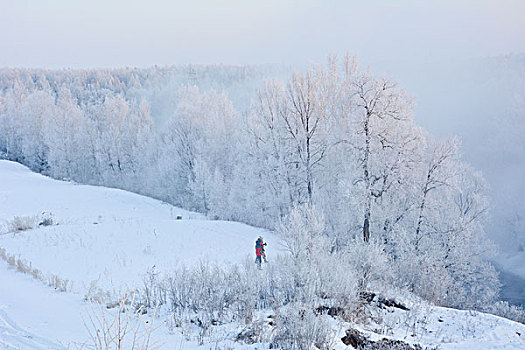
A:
{"x":366,"y":227}
{"x":366,"y":223}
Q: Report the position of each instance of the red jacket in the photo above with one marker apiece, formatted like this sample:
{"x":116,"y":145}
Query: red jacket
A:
{"x":259,"y":248}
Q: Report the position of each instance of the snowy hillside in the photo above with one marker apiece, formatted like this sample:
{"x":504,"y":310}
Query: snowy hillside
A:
{"x":103,"y":236}
{"x":97,"y":239}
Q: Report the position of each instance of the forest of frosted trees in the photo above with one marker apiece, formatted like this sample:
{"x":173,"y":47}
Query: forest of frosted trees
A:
{"x":330,"y":157}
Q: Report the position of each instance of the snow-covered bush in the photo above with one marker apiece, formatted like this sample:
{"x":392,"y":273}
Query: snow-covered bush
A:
{"x":3,"y":228}
{"x":504,"y":309}
{"x":302,"y":232}
{"x":3,"y":254}
{"x":315,"y":268}
{"x":21,"y":265}
{"x":46,"y":219}
{"x":371,"y":264}
{"x":209,"y":295}
{"x":23,"y":223}
{"x":95,"y":293}
{"x":299,"y":328}
{"x":121,"y":327}
{"x":154,"y":292}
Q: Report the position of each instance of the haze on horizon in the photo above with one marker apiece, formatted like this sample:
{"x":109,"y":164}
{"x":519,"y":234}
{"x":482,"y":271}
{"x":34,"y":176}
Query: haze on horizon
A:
{"x":115,"y":33}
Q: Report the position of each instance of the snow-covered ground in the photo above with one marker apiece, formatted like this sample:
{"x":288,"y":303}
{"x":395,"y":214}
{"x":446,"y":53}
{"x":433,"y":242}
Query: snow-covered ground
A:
{"x":106,"y":238}
{"x":446,"y":328}
{"x":34,"y":316}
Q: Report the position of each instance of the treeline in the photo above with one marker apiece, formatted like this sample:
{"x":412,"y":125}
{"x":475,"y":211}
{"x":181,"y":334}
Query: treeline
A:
{"x":334,"y":141}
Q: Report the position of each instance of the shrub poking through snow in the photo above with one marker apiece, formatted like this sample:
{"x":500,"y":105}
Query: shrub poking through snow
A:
{"x":300,"y":328}
{"x":47,"y":219}
{"x":504,"y":309}
{"x":208,"y":295}
{"x":359,"y":341}
{"x":25,"y":223}
{"x":122,"y":326}
{"x":21,"y":265}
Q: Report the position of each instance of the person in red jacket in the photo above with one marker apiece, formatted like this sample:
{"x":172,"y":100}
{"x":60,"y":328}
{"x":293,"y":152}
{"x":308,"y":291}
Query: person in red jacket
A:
{"x":260,"y":254}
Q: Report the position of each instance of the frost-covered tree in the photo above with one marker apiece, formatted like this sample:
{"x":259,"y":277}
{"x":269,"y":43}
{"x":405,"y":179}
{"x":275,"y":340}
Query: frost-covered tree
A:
{"x":316,"y":270}
{"x":200,"y":148}
{"x":117,"y":132}
{"x":67,"y":149}
{"x":294,"y":128}
{"x":303,"y":233}
{"x":384,"y":137}
{"x":35,"y":111}
{"x":442,"y":256}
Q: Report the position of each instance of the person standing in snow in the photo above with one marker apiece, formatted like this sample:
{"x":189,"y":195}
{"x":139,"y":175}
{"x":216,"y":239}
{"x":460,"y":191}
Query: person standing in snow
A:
{"x":259,"y":251}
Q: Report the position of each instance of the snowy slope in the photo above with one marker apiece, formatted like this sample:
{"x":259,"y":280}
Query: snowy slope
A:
{"x":34,"y":316}
{"x":104,"y":239}
{"x":107,"y":238}
{"x":445,"y":328}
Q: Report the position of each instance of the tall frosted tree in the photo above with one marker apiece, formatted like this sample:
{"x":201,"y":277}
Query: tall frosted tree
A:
{"x":384,"y":138}
{"x":201,"y":149}
{"x":65,"y":133}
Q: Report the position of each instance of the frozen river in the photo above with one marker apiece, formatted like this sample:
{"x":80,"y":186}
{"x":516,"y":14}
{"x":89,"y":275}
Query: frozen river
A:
{"x":513,"y":288}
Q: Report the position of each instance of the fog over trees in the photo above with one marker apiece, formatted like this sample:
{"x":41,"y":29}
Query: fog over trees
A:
{"x":333,"y":150}
{"x":478,"y":100}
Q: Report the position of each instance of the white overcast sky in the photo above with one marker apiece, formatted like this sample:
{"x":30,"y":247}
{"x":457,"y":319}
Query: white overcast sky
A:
{"x":107,"y":33}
